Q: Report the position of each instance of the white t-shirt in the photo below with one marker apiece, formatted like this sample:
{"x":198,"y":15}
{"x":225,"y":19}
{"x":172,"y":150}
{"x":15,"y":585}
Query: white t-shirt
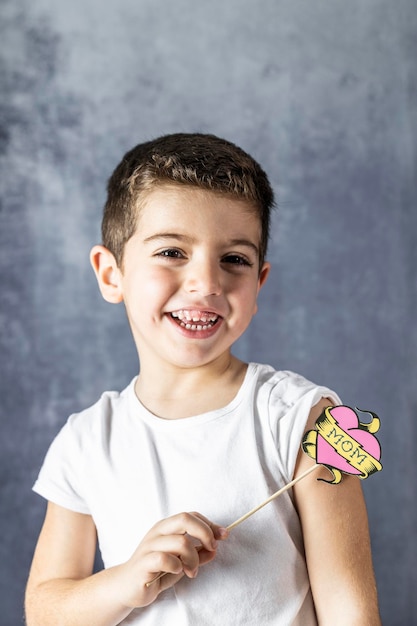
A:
{"x":128,"y":469}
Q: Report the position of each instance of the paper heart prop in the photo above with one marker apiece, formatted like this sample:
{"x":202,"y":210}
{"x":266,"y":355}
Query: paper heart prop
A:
{"x":344,"y":444}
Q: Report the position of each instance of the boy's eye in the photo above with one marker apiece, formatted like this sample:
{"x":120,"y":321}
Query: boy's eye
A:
{"x":172,"y":253}
{"x":236,"y":259}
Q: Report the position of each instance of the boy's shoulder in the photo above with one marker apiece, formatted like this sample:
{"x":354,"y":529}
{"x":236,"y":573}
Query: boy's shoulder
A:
{"x":286,"y":388}
{"x":100,"y":414}
{"x":284,"y":382}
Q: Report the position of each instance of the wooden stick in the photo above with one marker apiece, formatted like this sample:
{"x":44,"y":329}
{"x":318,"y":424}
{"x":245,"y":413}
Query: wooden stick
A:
{"x":253,"y":511}
{"x":274,"y":495}
{"x":151,"y":582}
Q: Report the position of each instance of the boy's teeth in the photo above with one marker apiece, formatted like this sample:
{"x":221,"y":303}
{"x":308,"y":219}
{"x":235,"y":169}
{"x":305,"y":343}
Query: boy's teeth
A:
{"x":195,"y":316}
{"x":195,"y":320}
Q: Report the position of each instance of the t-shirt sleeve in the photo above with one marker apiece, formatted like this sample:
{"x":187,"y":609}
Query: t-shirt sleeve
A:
{"x":60,"y":477}
{"x":290,"y":403}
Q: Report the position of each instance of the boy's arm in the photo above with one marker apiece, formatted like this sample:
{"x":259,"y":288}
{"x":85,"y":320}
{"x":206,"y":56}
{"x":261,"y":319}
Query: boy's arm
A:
{"x":62,"y":589}
{"x":337,"y":544}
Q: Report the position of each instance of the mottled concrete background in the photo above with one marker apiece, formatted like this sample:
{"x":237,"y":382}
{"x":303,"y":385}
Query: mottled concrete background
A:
{"x":323,"y":93}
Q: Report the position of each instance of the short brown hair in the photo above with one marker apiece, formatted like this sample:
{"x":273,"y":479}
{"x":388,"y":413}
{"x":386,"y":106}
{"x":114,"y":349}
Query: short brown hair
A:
{"x":194,"y":159}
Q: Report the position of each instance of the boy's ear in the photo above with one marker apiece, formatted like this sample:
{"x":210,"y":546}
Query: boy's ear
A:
{"x":263,"y":275}
{"x":107,"y":274}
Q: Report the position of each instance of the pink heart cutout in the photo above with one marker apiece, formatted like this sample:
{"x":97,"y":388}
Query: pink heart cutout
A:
{"x":348,"y":421}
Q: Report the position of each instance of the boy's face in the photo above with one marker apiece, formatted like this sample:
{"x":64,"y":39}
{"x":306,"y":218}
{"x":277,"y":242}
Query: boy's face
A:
{"x":190,"y":276}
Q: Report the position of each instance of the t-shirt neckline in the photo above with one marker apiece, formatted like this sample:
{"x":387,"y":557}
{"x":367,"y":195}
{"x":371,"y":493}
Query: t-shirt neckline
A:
{"x":138,"y":410}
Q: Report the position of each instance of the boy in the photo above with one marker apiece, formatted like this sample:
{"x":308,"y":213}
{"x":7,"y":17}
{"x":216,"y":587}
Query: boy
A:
{"x":185,"y":233}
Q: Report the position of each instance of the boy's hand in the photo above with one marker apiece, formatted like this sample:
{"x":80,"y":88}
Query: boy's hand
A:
{"x":177,"y":545}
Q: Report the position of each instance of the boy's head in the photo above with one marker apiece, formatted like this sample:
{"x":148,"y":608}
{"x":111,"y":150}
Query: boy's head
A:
{"x":193,"y":159}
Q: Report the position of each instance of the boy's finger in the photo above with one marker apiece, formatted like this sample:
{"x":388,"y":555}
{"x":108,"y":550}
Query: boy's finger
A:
{"x":181,"y":547}
{"x":191,"y":524}
{"x":219,"y":532}
{"x":164,"y":562}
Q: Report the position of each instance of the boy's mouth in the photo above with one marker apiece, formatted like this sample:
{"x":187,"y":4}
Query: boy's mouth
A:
{"x":195,"y":320}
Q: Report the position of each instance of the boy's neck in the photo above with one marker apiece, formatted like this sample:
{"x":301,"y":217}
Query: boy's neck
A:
{"x":179,"y":393}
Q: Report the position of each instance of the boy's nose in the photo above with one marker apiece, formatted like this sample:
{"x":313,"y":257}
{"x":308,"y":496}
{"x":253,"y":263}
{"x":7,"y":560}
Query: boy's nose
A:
{"x":203,"y":278}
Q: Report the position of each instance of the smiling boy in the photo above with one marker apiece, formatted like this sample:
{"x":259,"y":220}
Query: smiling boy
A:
{"x":194,"y":261}
{"x":185,"y":232}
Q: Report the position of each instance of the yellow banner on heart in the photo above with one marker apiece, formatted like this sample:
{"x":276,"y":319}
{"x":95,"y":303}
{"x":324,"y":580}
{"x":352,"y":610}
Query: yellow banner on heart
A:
{"x":344,"y":444}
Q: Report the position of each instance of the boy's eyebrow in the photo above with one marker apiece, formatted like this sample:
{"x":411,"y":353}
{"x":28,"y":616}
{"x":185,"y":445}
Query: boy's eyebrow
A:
{"x":245,"y":242}
{"x":186,"y":238}
{"x":167,"y":236}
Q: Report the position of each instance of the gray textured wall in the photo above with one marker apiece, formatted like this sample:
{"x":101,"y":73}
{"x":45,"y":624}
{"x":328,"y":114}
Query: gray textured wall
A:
{"x":323,"y":93}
